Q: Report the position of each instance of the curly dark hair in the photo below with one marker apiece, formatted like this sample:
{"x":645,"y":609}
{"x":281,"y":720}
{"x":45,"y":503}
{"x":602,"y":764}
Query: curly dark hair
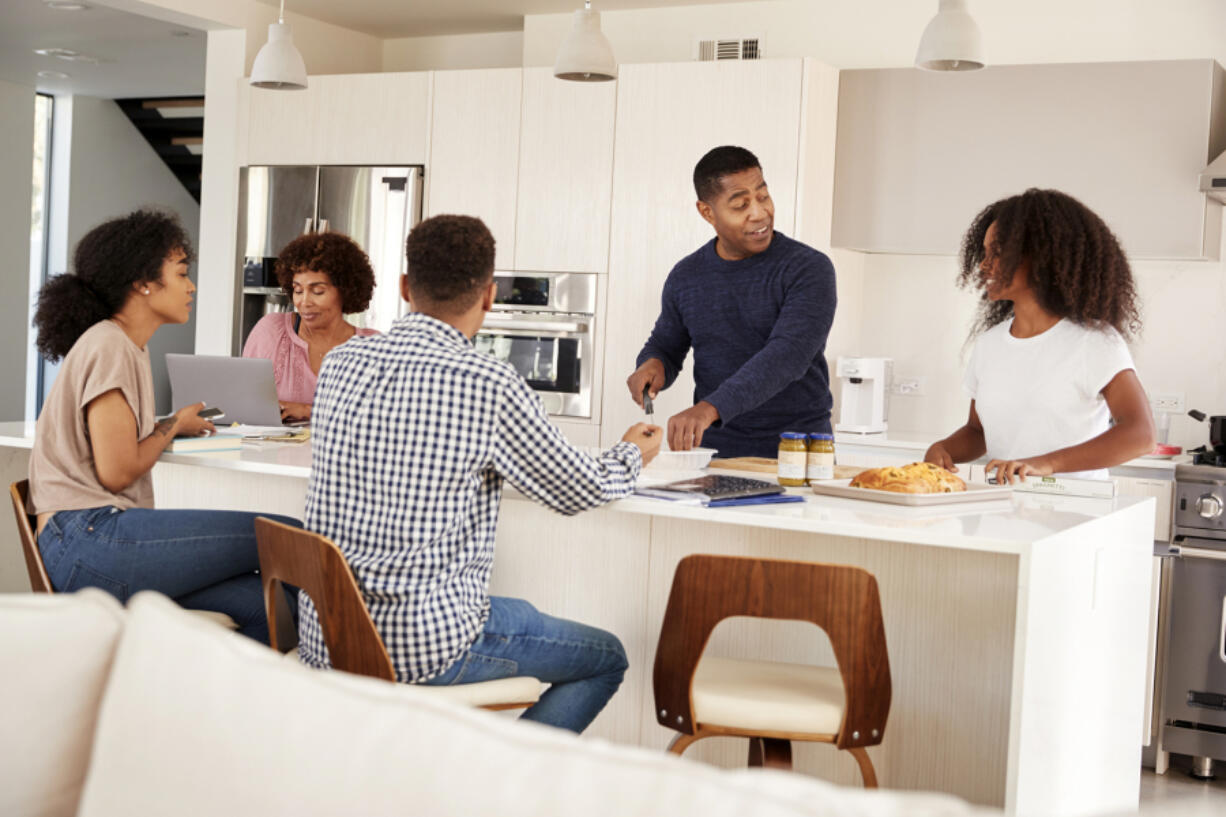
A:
{"x":337,"y":256}
{"x":451,"y":258}
{"x":719,"y":162}
{"x":1077,"y":268}
{"x":106,"y":263}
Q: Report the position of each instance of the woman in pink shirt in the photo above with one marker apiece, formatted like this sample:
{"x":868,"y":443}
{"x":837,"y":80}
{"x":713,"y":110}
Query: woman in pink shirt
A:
{"x":328,"y":276}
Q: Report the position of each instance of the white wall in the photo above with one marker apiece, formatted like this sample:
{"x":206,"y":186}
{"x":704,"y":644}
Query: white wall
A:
{"x":499,"y":49}
{"x":114,"y":171}
{"x":885,"y":33}
{"x":16,"y":174}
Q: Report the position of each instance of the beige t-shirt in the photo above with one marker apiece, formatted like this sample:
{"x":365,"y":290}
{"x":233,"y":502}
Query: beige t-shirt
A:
{"x":62,"y":474}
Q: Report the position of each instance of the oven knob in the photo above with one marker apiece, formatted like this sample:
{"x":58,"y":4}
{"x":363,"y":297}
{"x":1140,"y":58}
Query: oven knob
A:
{"x":1209,"y":506}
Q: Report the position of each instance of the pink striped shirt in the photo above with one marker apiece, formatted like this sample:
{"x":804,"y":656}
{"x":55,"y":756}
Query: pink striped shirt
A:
{"x":274,"y":338}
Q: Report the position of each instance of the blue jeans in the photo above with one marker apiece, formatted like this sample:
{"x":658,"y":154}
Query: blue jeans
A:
{"x":583,"y":665}
{"x":204,"y":560}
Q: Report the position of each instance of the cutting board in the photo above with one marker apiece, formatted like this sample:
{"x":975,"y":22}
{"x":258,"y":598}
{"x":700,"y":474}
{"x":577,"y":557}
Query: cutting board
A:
{"x":766,"y":465}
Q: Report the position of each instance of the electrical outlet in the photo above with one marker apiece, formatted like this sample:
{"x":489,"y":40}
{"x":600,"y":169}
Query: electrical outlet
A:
{"x":1168,"y":403}
{"x":912,"y":386}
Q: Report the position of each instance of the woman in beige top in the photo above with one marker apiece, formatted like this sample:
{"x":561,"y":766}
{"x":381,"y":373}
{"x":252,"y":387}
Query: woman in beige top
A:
{"x":97,"y":438}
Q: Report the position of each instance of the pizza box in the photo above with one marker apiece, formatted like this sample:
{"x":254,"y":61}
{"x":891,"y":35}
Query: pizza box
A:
{"x":975,"y":492}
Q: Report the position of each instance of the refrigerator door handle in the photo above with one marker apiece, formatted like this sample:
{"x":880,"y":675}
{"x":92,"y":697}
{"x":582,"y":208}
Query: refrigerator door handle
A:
{"x":1221,"y":637}
{"x":323,"y":226}
{"x":309,"y":226}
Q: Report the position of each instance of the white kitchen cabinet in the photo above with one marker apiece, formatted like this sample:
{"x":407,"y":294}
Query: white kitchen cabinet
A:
{"x":565,"y":174}
{"x":668,"y":116}
{"x":1162,"y":490}
{"x":921,"y":152}
{"x":474,"y":151}
{"x":343,"y":119}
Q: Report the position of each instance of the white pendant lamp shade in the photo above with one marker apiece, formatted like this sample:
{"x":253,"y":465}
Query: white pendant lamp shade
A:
{"x":585,"y":55}
{"x":279,"y":65}
{"x":952,"y":41}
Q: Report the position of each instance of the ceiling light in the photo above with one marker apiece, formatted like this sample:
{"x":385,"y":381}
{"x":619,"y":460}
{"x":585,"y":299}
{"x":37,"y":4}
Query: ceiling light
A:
{"x":279,"y":66}
{"x":62,"y":5}
{"x":52,"y":75}
{"x":585,"y":55}
{"x":952,"y":41}
{"x":67,"y":54}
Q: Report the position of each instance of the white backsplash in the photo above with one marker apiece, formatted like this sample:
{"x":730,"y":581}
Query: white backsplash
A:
{"x":911,"y":310}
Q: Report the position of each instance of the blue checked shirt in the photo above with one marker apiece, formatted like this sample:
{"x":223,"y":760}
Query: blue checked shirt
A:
{"x":413,"y":433}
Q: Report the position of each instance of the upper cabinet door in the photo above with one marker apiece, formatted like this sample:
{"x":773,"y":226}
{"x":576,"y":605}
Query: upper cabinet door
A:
{"x":342,"y":119}
{"x":668,"y":116}
{"x":474,"y":151}
{"x":565,"y":174}
{"x":920,"y":153}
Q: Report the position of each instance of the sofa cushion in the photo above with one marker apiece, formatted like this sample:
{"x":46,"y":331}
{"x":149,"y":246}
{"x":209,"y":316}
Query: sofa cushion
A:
{"x":200,"y":721}
{"x":57,"y":653}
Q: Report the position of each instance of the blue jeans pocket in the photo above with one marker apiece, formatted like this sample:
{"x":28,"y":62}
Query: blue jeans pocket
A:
{"x":478,"y":668}
{"x":83,"y":575}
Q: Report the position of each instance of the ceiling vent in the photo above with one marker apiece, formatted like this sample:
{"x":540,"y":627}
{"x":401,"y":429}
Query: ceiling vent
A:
{"x":749,"y":48}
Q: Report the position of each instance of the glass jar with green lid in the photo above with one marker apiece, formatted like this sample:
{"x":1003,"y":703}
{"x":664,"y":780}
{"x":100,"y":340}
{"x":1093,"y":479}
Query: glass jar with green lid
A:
{"x":793,"y":455}
{"x":821,"y":458}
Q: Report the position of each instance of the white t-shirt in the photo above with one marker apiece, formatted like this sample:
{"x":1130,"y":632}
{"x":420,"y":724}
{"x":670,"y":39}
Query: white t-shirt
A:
{"x":1038,"y":395}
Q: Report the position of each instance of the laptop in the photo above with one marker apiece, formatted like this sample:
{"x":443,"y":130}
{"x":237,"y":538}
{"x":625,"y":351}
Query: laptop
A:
{"x":712,"y":488}
{"x":242,"y":387}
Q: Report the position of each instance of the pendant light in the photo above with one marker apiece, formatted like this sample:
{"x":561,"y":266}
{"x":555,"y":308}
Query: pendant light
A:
{"x":279,"y":66}
{"x":585,"y":55}
{"x":952,"y":41}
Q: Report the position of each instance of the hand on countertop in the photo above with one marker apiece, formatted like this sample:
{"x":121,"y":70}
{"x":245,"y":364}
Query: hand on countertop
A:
{"x":685,"y":429}
{"x":937,"y":455}
{"x":650,"y":375}
{"x":1010,"y":471}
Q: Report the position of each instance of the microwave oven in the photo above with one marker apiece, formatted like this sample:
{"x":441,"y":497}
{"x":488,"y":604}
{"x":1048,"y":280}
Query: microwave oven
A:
{"x":542,"y":323}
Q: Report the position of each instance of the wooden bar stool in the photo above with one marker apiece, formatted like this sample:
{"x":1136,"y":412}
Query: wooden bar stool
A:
{"x":774,"y":703}
{"x":40,"y":582}
{"x":315,"y":565}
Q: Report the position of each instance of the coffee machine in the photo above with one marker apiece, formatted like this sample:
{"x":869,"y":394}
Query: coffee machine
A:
{"x":865,"y":402}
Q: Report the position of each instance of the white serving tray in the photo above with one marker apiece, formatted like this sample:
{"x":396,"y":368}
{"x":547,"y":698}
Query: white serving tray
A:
{"x":975,"y":492}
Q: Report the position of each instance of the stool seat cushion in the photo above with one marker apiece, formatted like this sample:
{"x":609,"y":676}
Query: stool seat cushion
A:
{"x":767,"y":696}
{"x":518,"y":690}
{"x":217,"y":618}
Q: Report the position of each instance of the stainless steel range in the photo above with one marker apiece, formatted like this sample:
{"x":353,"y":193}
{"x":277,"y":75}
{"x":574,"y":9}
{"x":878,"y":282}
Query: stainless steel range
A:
{"x":1194,"y":700}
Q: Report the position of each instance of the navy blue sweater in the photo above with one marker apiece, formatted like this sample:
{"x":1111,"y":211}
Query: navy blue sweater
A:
{"x":758,"y":329}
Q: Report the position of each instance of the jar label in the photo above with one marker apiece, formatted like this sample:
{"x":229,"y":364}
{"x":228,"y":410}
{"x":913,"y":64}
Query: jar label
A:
{"x":792,"y":465}
{"x":820,"y":465}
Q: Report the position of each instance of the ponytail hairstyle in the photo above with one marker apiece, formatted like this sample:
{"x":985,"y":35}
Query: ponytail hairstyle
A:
{"x":107,"y":262}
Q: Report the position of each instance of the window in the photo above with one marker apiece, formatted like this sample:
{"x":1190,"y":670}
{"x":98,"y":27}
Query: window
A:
{"x":40,"y":197}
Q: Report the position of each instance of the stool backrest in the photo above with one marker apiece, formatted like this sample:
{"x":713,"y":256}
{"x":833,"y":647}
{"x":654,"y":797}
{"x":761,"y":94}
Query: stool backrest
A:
{"x":40,"y":582}
{"x":840,"y":599}
{"x":316,"y":566}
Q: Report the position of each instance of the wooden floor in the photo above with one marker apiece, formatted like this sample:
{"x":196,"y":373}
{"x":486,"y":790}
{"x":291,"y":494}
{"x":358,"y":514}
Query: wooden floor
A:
{"x":1177,"y":794}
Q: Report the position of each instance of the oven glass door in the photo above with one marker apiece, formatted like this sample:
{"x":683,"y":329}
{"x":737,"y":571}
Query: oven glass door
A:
{"x":549,"y":363}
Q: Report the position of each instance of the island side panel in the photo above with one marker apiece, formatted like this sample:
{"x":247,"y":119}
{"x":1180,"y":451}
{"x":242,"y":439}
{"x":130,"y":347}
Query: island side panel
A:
{"x":1079,"y":684}
{"x":197,"y":486}
{"x":590,"y":568}
{"x":949,"y":620}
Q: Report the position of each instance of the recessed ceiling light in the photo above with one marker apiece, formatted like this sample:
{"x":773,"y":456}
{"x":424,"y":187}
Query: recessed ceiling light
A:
{"x":63,"y":5}
{"x":67,"y":54}
{"x":53,"y":75}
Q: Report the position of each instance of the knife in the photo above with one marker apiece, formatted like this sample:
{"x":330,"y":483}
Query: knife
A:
{"x":648,"y":407}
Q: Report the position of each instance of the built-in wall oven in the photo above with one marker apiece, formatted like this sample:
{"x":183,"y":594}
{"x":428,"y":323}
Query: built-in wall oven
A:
{"x":1194,"y":694}
{"x":542,"y":323}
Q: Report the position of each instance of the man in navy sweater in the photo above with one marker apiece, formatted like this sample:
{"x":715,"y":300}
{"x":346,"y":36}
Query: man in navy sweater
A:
{"x":756,"y":307}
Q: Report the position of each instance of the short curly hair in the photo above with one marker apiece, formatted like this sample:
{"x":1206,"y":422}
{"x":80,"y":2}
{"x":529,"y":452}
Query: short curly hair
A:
{"x":337,"y":256}
{"x":451,"y":259}
{"x":1078,"y":269}
{"x":106,"y":263}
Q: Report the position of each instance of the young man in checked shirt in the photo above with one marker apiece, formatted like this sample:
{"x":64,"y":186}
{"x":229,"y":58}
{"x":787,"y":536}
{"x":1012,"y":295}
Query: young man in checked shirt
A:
{"x":414,"y":433}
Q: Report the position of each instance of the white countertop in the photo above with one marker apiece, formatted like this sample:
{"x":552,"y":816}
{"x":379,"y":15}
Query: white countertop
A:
{"x":1006,"y":526}
{"x":920,"y":440}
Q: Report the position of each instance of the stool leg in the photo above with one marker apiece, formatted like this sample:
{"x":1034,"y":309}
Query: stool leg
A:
{"x":770,"y":753}
{"x":866,"y":767}
{"x":682,"y":741}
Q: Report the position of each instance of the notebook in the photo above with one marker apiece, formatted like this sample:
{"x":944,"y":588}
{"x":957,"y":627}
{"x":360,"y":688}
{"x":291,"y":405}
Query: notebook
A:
{"x":711,"y":488}
{"x":243,"y":387}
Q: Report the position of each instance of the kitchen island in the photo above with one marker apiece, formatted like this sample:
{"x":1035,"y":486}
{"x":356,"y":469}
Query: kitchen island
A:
{"x":1016,"y":628}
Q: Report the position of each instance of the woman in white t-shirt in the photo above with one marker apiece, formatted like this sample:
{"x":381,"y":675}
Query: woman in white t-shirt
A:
{"x":1050,"y":369}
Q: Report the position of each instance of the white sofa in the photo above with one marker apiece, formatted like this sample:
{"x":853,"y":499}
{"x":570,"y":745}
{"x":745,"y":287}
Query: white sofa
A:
{"x":152,"y":711}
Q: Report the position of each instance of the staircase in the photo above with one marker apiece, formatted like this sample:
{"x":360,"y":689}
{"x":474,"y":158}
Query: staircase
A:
{"x":174,"y":127}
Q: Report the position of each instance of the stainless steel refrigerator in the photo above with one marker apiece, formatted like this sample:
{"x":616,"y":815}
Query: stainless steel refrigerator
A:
{"x":375,"y":206}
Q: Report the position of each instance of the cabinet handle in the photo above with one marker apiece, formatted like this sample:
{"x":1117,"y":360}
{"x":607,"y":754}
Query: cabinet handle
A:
{"x":1221,"y":639}
{"x":306,"y":227}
